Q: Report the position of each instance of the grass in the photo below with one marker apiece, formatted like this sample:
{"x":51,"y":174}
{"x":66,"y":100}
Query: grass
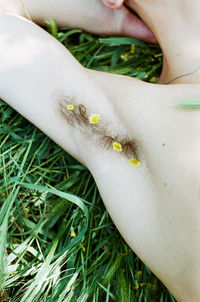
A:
{"x":58,"y":243}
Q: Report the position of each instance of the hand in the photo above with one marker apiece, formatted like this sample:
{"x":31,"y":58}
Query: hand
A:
{"x":90,"y":15}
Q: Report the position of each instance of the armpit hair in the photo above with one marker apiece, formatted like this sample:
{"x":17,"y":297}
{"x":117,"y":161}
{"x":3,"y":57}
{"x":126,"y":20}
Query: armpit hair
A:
{"x":79,"y":118}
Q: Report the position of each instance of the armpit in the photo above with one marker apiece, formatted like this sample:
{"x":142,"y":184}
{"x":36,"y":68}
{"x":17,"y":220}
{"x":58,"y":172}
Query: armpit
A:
{"x":93,"y":126}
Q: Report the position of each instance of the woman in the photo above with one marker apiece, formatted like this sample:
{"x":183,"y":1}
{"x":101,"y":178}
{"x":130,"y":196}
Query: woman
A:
{"x":142,"y":149}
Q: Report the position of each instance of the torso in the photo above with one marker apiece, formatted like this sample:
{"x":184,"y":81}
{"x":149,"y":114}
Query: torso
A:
{"x":153,"y":206}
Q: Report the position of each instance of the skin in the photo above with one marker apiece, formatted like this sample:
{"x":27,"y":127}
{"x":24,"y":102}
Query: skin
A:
{"x":156,"y":206}
{"x":185,"y":23}
{"x":86,"y":14}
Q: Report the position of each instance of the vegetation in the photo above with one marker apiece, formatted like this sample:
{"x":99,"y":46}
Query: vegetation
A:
{"x":58,"y":242}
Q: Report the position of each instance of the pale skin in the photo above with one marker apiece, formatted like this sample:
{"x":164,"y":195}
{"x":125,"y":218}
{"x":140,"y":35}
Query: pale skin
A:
{"x":156,"y":206}
{"x":90,"y":15}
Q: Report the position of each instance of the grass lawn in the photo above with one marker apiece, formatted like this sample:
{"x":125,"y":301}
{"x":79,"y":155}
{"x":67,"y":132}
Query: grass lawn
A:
{"x":58,"y":242}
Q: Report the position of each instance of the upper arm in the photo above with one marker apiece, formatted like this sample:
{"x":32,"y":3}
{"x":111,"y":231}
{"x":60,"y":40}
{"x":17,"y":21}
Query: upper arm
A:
{"x":37,"y":73}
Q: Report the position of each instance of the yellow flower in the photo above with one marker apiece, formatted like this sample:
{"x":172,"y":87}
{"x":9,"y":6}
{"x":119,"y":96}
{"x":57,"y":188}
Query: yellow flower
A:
{"x":138,"y":273}
{"x":83,"y":249}
{"x":124,"y":57}
{"x":133,"y":48}
{"x":73,"y":234}
{"x":153,"y":80}
{"x":134,"y":162}
{"x":117,"y":146}
{"x":94,"y":118}
{"x":70,"y":107}
{"x":136,"y":286}
{"x":143,"y":284}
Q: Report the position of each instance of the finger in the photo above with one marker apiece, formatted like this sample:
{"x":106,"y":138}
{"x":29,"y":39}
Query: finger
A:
{"x":114,"y":4}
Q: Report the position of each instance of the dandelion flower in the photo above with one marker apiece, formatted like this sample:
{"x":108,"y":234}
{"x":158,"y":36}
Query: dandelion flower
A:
{"x":134,"y":162}
{"x":70,"y":107}
{"x":94,"y":118}
{"x":117,"y":146}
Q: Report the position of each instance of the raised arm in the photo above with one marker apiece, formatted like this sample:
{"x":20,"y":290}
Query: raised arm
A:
{"x":40,"y":78}
{"x":37,"y":73}
{"x":142,"y":151}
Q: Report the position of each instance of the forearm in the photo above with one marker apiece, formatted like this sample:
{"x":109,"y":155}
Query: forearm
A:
{"x":66,"y":13}
{"x":40,"y":10}
{"x":89,"y":15}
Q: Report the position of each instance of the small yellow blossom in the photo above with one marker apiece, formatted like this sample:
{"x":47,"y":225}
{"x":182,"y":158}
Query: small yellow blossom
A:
{"x":138,"y":273}
{"x":124,"y":57}
{"x":83,"y":249}
{"x":136,"y":286}
{"x":156,"y":55}
{"x":70,"y":107}
{"x":153,"y":80}
{"x":12,"y":219}
{"x":94,"y":118}
{"x":117,"y":146}
{"x":73,"y":234}
{"x":143,"y":284}
{"x":133,"y":48}
{"x":134,"y":162}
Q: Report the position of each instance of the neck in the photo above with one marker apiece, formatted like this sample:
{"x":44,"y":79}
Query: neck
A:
{"x":181,"y":56}
{"x":176,"y":25}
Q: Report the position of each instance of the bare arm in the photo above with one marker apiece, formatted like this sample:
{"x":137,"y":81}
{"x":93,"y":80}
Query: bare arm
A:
{"x":39,"y":77}
{"x":36,"y":72}
{"x":155,"y":206}
{"x":90,"y":15}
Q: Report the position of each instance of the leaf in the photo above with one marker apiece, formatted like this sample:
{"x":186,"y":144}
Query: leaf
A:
{"x":122,"y":40}
{"x":192,"y":105}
